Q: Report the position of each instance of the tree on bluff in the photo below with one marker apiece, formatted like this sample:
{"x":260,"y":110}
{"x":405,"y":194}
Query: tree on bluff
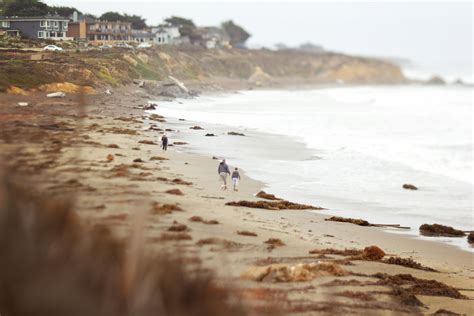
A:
{"x":186,"y":27}
{"x":179,"y":22}
{"x":25,"y":8}
{"x":63,"y":11}
{"x":238,"y":36}
{"x":137,"y":21}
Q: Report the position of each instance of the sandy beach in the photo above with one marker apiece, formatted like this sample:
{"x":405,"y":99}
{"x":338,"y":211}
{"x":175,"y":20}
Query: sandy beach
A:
{"x":106,"y":155}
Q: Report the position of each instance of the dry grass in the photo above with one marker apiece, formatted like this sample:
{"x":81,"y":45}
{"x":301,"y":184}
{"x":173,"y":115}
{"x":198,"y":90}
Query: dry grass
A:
{"x":58,"y":266}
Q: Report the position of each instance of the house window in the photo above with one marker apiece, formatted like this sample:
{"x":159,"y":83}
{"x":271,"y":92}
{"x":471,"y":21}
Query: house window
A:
{"x":46,"y":24}
{"x":56,"y":24}
{"x":41,"y":34}
{"x":65,"y":26}
{"x":5,"y":24}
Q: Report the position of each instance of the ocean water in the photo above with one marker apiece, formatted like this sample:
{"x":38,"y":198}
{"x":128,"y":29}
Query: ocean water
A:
{"x":362,"y":145}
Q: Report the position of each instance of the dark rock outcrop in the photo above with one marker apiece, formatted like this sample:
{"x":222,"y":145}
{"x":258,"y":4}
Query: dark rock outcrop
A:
{"x":437,"y":230}
{"x":407,"y":186}
{"x":470,"y":238}
{"x":235,"y":134}
{"x":435,"y":80}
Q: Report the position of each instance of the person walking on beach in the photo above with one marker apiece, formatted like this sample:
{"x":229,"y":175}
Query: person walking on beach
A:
{"x":223,"y":171}
{"x":164,"y":142}
{"x":235,"y":178}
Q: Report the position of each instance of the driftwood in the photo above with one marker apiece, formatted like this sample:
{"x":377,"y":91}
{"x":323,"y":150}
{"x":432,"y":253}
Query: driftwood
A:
{"x":362,"y":222}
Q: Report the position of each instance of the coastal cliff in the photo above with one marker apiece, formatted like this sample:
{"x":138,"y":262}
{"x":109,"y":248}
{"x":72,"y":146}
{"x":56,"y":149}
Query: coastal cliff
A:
{"x":115,"y":67}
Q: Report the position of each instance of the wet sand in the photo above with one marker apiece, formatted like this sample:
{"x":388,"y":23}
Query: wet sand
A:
{"x":64,"y":149}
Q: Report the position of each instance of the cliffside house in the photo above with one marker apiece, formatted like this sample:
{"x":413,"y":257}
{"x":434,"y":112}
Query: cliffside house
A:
{"x":108,"y":32}
{"x":214,"y":37}
{"x":39,"y":27}
{"x":166,"y":34}
{"x":78,"y":26}
{"x":143,"y":36}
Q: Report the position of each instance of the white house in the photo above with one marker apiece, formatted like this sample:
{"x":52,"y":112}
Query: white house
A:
{"x":165,"y":34}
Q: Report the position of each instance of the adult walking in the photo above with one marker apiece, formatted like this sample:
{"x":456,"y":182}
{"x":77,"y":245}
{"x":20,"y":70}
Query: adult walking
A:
{"x":164,"y":142}
{"x":223,"y":171}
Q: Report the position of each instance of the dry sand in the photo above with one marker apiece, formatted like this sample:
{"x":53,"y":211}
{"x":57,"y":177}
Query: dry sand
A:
{"x":64,"y":150}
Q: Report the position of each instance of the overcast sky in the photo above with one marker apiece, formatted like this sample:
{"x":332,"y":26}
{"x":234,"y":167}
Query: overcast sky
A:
{"x":429,"y":32}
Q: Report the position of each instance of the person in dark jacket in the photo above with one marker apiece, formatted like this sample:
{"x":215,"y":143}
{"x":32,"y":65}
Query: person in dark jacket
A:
{"x":164,"y":142}
{"x":235,"y":178}
{"x":223,"y":171}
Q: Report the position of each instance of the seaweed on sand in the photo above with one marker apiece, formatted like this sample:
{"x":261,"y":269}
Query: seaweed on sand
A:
{"x":267,"y":196}
{"x":173,"y":237}
{"x":355,"y":221}
{"x":181,"y":181}
{"x":147,"y":142}
{"x":292,"y":273}
{"x":246,"y":233}
{"x":407,"y":262}
{"x":222,"y":243}
{"x":274,"y":205}
{"x":332,"y":251}
{"x":177,"y":227}
{"x":174,"y":192}
{"x":274,"y":243}
{"x":201,"y":220}
{"x":158,"y":208}
{"x":418,"y":286}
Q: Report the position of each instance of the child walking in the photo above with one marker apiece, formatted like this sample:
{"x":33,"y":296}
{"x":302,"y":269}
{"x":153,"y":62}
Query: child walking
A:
{"x":235,"y":178}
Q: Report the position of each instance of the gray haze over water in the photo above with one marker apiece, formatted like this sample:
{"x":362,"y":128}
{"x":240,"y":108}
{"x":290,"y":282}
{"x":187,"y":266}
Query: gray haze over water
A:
{"x":436,"y":36}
